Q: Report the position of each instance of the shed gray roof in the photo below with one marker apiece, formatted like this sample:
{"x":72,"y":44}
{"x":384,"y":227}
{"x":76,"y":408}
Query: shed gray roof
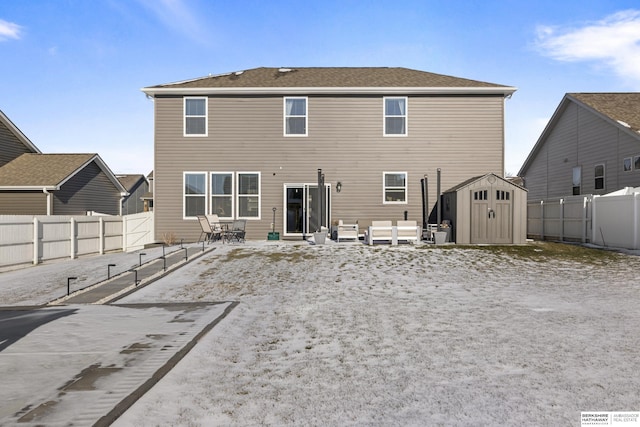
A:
{"x":328,"y":77}
{"x":478,"y":178}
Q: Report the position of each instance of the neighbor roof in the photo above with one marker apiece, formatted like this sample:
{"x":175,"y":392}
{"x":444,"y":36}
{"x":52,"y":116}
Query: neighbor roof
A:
{"x":130,"y":180}
{"x":621,"y":109}
{"x":308,"y":79}
{"x":50,"y":171}
{"x":624,"y":108}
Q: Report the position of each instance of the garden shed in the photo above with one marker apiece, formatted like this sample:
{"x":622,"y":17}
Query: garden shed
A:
{"x":486,"y":209}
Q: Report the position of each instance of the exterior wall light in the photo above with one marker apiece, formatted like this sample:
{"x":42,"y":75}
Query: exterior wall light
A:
{"x":339,"y":186}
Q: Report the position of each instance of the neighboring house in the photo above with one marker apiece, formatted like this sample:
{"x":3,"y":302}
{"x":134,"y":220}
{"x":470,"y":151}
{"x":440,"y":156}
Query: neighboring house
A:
{"x":147,"y":197}
{"x":32,"y":183}
{"x":591,"y":145}
{"x":13,"y":143}
{"x":245,"y":143}
{"x":59,"y":184}
{"x":137,"y":186}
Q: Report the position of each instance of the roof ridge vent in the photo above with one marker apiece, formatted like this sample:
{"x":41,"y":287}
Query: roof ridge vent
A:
{"x":284,"y":70}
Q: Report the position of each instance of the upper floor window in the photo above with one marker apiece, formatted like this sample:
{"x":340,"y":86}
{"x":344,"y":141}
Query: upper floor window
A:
{"x":195,"y":116}
{"x":295,"y":116}
{"x":626,"y":164}
{"x":599,"y":177}
{"x":395,"y":116}
{"x":395,"y":187}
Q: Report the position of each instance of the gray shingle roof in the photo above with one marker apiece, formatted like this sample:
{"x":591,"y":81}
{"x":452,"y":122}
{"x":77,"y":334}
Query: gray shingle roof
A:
{"x":41,"y":170}
{"x":130,"y":180}
{"x":622,"y":107}
{"x":337,"y":77}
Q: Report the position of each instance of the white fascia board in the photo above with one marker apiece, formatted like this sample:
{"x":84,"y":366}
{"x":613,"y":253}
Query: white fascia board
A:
{"x":29,"y":188}
{"x":500,"y":90}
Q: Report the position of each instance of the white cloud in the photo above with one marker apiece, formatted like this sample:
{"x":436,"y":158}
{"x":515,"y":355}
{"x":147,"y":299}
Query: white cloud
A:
{"x":9,"y":30}
{"x":175,"y":14}
{"x":613,"y":41}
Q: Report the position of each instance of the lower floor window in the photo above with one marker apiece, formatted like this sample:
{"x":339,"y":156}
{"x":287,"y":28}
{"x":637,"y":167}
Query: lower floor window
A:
{"x":394,"y":187}
{"x":577,"y":180}
{"x":248,"y":195}
{"x":194,"y":194}
{"x":229,"y":195}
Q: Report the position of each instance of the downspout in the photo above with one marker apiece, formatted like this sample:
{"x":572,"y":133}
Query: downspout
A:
{"x":45,"y":191}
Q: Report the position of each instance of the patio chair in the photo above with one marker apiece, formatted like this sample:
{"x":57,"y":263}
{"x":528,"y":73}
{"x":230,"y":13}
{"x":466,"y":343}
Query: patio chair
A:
{"x":236,"y":231}
{"x":207,"y":230}
{"x":408,"y":231}
{"x":347,"y":231}
{"x":216,"y":226}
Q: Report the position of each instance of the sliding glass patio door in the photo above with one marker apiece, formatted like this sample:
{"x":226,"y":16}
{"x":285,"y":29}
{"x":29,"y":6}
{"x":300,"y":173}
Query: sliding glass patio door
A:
{"x":301,"y":209}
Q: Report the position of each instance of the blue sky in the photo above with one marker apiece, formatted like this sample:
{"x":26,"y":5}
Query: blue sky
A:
{"x":72,"y":70}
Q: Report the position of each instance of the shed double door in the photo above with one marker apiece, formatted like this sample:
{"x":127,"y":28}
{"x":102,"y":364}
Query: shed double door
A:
{"x":491,"y":215}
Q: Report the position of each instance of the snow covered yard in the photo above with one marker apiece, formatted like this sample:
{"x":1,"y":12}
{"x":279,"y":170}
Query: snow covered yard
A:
{"x":355,"y":335}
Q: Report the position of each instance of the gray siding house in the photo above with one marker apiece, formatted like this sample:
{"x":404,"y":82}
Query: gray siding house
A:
{"x":138,"y":187}
{"x":248,"y":145}
{"x":59,"y":184}
{"x":591,"y":145}
{"x":13,"y":143}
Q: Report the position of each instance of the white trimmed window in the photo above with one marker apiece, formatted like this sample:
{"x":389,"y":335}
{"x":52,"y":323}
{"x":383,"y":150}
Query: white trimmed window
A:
{"x":626,"y":164}
{"x":194,"y":194}
{"x":395,"y":116}
{"x":599,"y":177}
{"x":195,"y":116}
{"x":248,"y":195}
{"x":577,"y":180}
{"x":394,"y":187}
{"x":295,"y":116}
{"x":222,"y":194}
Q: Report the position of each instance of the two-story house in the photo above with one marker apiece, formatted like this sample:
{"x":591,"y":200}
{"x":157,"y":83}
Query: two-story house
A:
{"x":248,"y":145}
{"x":591,"y":145}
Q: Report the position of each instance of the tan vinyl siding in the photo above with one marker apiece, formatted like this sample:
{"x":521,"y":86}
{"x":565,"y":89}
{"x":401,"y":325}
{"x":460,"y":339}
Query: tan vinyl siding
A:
{"x":10,"y":146}
{"x":461,"y":135}
{"x":23,"y":203}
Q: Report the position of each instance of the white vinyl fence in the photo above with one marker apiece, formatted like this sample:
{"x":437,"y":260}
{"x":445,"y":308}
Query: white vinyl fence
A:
{"x":612,"y":220}
{"x":616,"y":221}
{"x":564,"y":219}
{"x":34,"y":239}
